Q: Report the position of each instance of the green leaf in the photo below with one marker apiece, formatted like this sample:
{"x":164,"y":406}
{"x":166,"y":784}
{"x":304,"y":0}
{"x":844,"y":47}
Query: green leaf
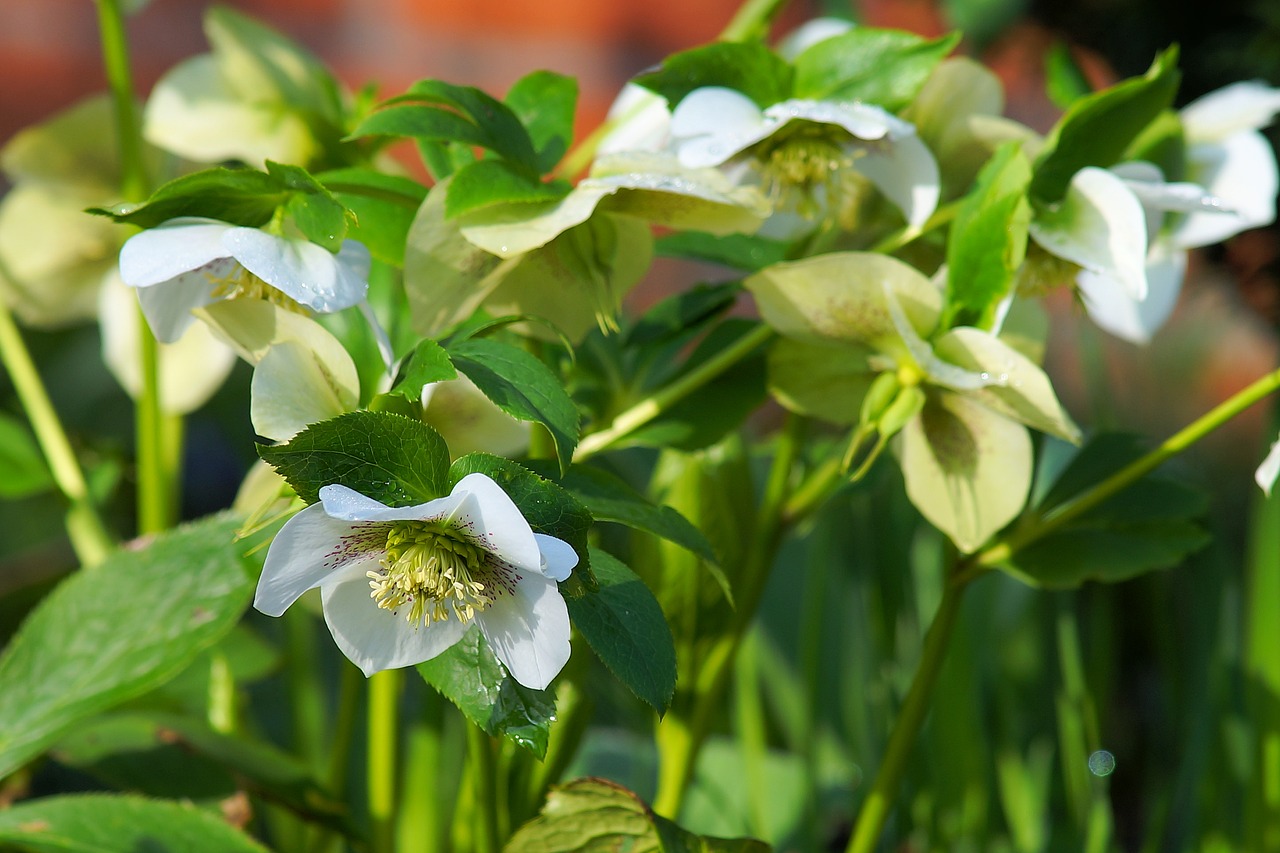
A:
{"x":988,"y":240}
{"x":471,"y":677}
{"x":390,"y":458}
{"x":624,"y":625}
{"x":428,"y":363}
{"x":1064,"y":80}
{"x":881,"y":67}
{"x":382,"y":208}
{"x":102,"y":823}
{"x":749,"y":67}
{"x":117,"y":631}
{"x":674,"y":317}
{"x":609,"y":498}
{"x":239,"y":196}
{"x":319,"y":216}
{"x":459,"y":114}
{"x":522,"y":386}
{"x":739,"y":251}
{"x":22,"y":468}
{"x":421,"y":122}
{"x":544,"y":102}
{"x":1163,"y":144}
{"x":175,"y":756}
{"x":1098,"y":128}
{"x":548,"y":507}
{"x":1144,"y":527}
{"x":599,"y":815}
{"x":489,"y":182}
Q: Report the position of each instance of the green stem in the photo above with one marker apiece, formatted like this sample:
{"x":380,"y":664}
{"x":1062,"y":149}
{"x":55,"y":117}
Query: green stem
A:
{"x":383,"y":733}
{"x":875,"y":809}
{"x":908,"y":234}
{"x":752,"y":20}
{"x":484,"y":774}
{"x":658,"y":402}
{"x":85,"y":529}
{"x":1000,"y":551}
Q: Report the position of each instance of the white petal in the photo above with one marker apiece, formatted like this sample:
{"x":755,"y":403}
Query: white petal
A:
{"x":307,"y":273}
{"x":905,"y":171}
{"x":810,"y":33}
{"x":558,"y":556}
{"x":713,"y":123}
{"x":375,"y":639}
{"x":529,"y":631}
{"x":1136,"y":320}
{"x":493,"y":518}
{"x":342,"y":502}
{"x":168,"y":306}
{"x":1225,"y":112}
{"x":1267,"y":472}
{"x":1101,"y":226}
{"x":939,"y":372}
{"x":304,"y":552}
{"x":1240,"y":170}
{"x":638,"y":121}
{"x":170,"y":249}
{"x":293,"y":388}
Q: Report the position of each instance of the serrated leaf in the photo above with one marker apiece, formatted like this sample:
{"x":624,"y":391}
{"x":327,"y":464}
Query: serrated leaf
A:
{"x":101,"y":823}
{"x":545,"y":102}
{"x":624,"y":625}
{"x":739,"y":251}
{"x":390,"y":458}
{"x":382,"y":207}
{"x":522,"y":386}
{"x":485,"y":183}
{"x":22,"y":468}
{"x":988,"y":240}
{"x":1098,"y":128}
{"x":548,"y":507}
{"x":597,"y":816}
{"x":428,"y":363}
{"x":470,"y":676}
{"x":610,"y":499}
{"x":239,"y":196}
{"x":117,"y":631}
{"x":881,"y":67}
{"x":749,"y":67}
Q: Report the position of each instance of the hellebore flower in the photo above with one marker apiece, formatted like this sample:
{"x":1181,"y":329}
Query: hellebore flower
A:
{"x":190,"y":262}
{"x":400,"y":585}
{"x":1269,"y":470}
{"x":806,"y":153}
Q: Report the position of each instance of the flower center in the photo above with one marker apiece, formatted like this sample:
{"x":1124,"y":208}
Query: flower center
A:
{"x":812,"y":162}
{"x":433,"y":570}
{"x":235,"y":282}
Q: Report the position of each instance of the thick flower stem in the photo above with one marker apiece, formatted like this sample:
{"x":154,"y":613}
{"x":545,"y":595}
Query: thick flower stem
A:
{"x":752,"y":20}
{"x":650,"y":407}
{"x":85,"y":529}
{"x":383,"y":746}
{"x":484,"y":774}
{"x":879,"y":801}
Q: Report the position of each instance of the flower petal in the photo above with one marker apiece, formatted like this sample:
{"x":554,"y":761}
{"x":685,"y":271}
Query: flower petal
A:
{"x":1099,"y":225}
{"x":1240,"y":170}
{"x":307,"y":273}
{"x":558,"y":556}
{"x":1248,"y":105}
{"x":810,"y":33}
{"x":293,"y":387}
{"x":638,"y":120}
{"x":168,"y":307}
{"x":375,"y":639}
{"x":529,"y":630}
{"x":493,"y":518}
{"x":304,"y":552}
{"x":345,"y":503}
{"x":905,"y":171}
{"x":172,"y":248}
{"x":713,"y":123}
{"x":1136,"y":320}
{"x":1267,"y":472}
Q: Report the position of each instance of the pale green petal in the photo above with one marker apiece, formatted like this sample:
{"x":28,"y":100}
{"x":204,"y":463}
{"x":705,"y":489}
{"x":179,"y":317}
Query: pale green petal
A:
{"x":293,"y":388}
{"x":468,"y":421}
{"x":54,"y":254}
{"x":1022,"y":390}
{"x":193,"y":112}
{"x":252,"y":326}
{"x":840,"y":298}
{"x":826,"y":382}
{"x":1099,"y":226}
{"x":77,"y":147}
{"x":967,"y":469}
{"x":191,"y":369}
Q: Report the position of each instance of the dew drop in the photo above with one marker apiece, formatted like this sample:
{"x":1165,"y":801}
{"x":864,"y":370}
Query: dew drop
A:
{"x":1102,"y":763}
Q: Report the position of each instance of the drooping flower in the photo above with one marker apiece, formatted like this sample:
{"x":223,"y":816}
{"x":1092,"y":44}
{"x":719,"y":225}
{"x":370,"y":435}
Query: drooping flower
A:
{"x":400,"y":585}
{"x":190,"y":262}
{"x":805,"y":153}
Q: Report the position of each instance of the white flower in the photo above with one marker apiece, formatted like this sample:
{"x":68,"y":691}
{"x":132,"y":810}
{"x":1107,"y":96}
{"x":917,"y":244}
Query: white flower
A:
{"x":778,"y":146}
{"x":433,"y":569}
{"x":811,"y":32}
{"x":189,"y":262}
{"x":1269,"y":470}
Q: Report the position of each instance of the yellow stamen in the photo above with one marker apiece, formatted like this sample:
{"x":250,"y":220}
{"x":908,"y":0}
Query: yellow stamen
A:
{"x":435,"y":571}
{"x":239,"y":283}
